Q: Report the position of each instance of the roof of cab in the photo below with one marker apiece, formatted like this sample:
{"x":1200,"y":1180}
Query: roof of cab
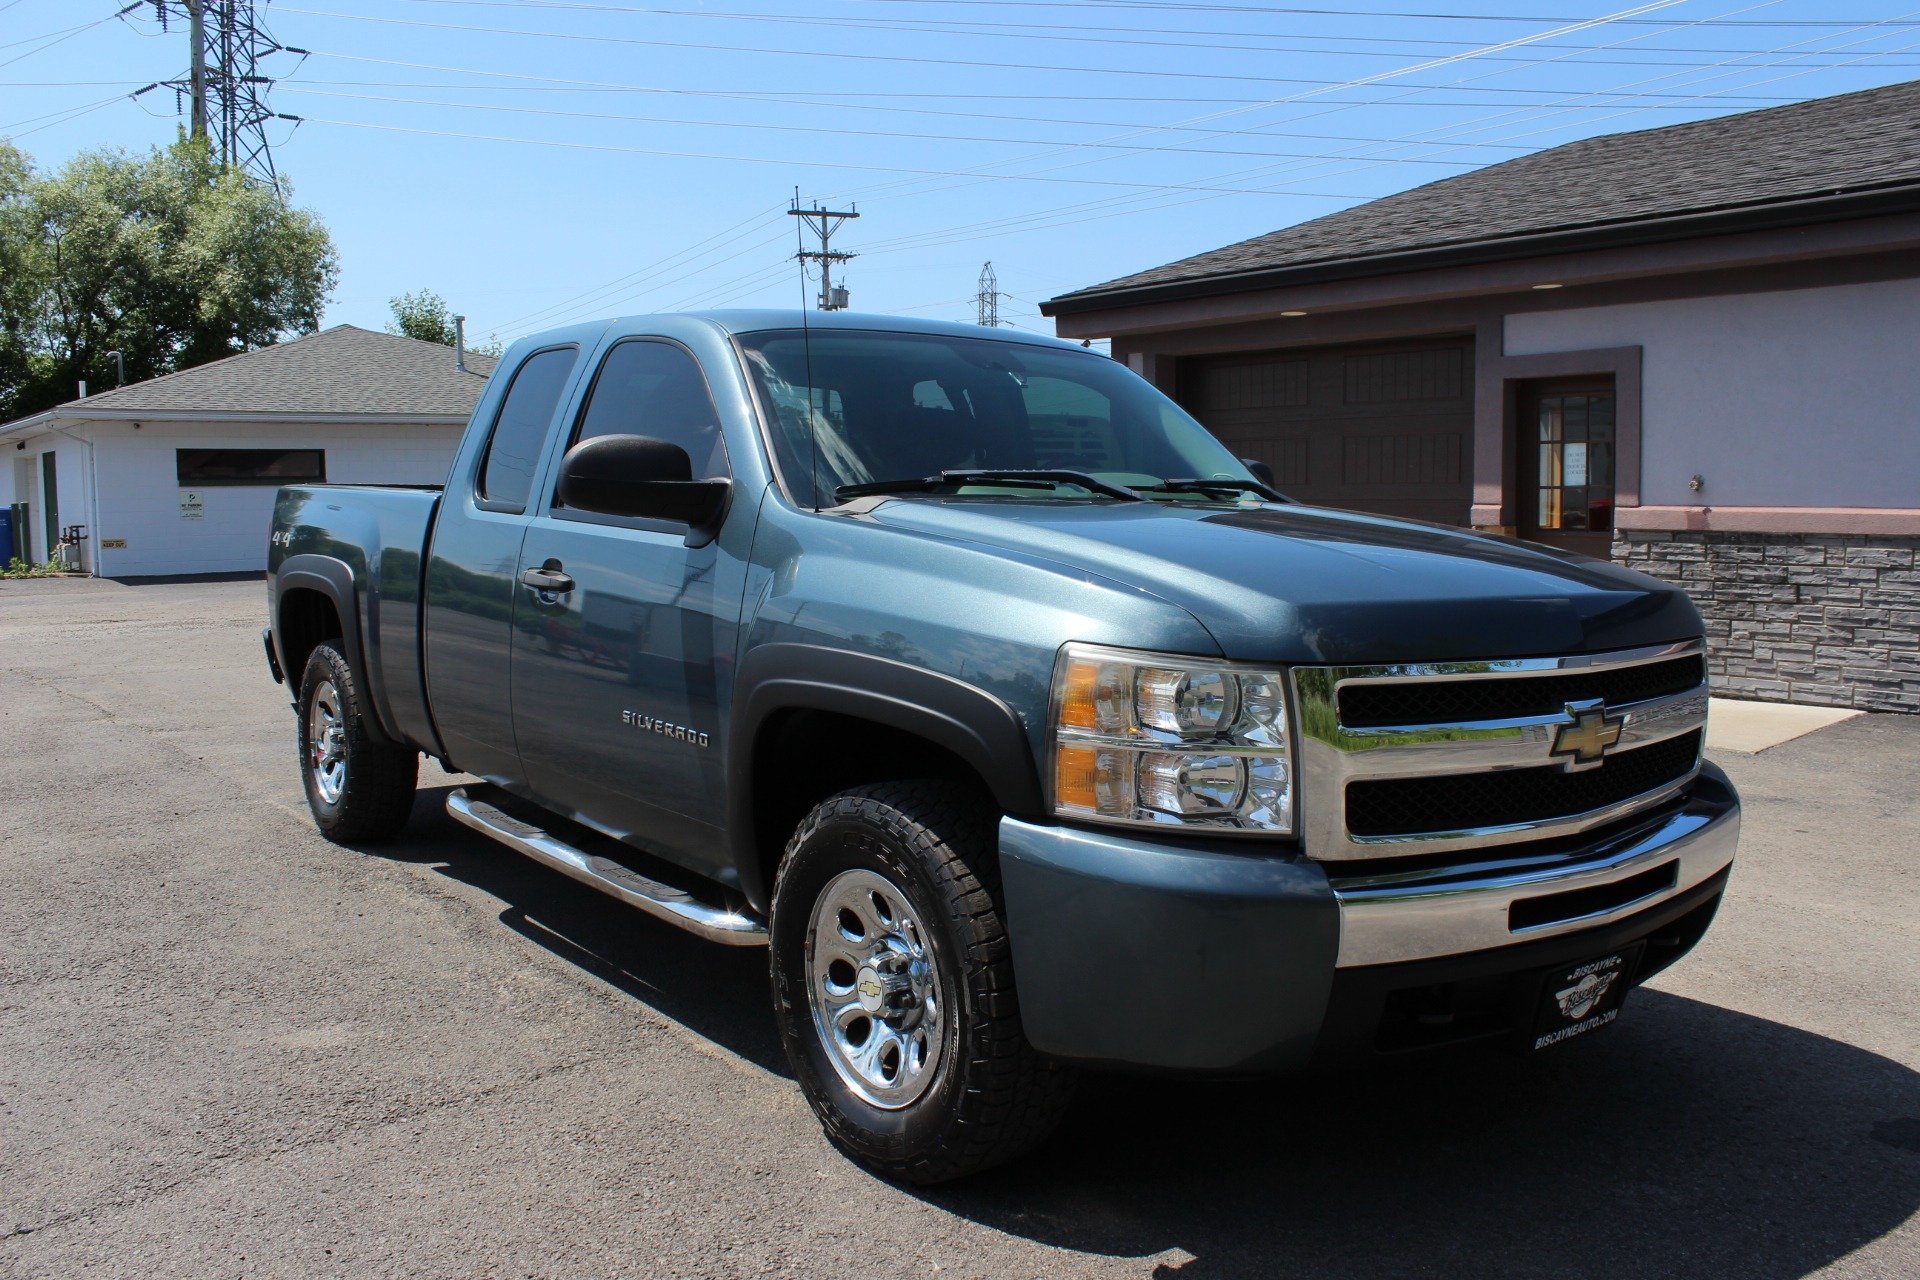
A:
{"x":755,"y":320}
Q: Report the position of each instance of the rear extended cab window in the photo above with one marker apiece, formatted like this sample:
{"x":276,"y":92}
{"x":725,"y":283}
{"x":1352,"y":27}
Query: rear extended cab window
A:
{"x":520,"y":431}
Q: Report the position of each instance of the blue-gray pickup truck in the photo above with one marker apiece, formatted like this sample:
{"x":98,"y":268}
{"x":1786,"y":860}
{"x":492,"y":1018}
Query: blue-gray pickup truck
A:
{"x":1026,"y":726}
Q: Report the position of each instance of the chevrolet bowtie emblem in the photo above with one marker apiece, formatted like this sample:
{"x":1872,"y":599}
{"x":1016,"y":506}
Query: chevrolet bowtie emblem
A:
{"x":1587,"y":739}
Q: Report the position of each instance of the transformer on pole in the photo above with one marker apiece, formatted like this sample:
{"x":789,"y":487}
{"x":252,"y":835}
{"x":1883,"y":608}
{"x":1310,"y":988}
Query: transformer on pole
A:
{"x":823,"y":223}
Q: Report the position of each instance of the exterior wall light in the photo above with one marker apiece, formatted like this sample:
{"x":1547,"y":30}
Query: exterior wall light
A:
{"x":1547,"y":286}
{"x":1293,"y":313}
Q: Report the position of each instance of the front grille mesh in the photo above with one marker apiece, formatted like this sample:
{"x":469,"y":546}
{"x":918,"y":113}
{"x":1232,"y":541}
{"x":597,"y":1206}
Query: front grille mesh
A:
{"x":1460,"y":802}
{"x":1416,"y":702}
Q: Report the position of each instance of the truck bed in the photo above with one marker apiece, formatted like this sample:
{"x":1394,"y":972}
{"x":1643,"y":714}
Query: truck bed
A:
{"x":380,"y":532}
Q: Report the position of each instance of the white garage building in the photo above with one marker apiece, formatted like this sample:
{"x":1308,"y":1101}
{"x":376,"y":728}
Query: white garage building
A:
{"x":177,"y":475}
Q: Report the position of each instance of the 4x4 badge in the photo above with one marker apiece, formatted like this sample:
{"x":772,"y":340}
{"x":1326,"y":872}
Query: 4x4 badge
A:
{"x":1586,"y":741}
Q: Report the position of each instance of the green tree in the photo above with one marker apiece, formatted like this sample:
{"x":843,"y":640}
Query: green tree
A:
{"x":21,"y":276}
{"x":425,"y":315}
{"x":169,"y":258}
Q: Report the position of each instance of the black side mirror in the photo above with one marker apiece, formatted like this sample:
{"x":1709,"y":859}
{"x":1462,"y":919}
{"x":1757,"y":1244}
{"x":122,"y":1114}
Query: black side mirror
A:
{"x":1261,"y":471}
{"x":641,"y":476}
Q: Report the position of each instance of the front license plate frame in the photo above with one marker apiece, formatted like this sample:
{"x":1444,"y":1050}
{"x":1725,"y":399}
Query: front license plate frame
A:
{"x":1577,"y":999}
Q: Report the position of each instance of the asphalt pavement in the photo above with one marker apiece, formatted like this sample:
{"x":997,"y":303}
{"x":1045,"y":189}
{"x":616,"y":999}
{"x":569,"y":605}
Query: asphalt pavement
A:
{"x":230,"y":1048}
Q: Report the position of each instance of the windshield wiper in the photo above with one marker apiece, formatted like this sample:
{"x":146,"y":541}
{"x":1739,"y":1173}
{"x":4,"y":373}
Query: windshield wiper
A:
{"x":1043,"y":479}
{"x":1192,"y":485}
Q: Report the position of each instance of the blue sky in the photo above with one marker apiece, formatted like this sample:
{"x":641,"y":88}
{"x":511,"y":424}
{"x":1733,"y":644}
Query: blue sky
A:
{"x":541,"y":161}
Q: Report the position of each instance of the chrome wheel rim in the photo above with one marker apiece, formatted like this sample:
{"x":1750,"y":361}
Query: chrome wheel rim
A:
{"x":875,"y":989}
{"x":326,"y":742}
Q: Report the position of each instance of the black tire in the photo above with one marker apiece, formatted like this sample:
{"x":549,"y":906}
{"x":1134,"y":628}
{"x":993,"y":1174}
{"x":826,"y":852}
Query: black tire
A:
{"x":369,"y":795}
{"x":989,"y":1096}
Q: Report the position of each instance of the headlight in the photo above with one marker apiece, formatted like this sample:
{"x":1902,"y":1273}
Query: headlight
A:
{"x":1163,"y":741}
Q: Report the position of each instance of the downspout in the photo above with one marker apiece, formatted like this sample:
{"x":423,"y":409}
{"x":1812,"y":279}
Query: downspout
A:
{"x":92,"y":503}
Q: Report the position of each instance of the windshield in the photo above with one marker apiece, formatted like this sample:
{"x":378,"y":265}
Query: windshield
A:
{"x":865,"y":407}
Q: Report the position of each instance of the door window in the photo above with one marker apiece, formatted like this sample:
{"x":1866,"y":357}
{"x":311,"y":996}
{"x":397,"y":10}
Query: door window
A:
{"x":1574,"y":439}
{"x":520,"y":430}
{"x":656,"y":389}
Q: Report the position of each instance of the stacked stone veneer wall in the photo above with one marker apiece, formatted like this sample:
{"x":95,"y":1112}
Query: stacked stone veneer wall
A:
{"x":1828,"y":619}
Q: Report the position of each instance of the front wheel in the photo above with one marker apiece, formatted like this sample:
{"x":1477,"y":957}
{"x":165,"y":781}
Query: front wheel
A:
{"x":359,"y":787}
{"x":893,"y":983}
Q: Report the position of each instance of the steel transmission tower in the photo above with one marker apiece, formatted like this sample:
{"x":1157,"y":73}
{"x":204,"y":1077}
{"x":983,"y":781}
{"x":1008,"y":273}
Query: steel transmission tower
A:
{"x":224,"y":91}
{"x":823,"y":223}
{"x":987,"y":300}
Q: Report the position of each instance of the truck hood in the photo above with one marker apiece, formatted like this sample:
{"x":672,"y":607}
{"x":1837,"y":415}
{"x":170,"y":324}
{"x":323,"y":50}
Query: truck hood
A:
{"x":1307,"y":584}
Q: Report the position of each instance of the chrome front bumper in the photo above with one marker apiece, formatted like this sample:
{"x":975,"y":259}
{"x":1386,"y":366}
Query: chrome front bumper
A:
{"x":1395,"y":916}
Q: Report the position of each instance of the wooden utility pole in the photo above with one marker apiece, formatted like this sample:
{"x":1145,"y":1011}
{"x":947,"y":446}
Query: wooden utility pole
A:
{"x":823,"y":223}
{"x":196,"y":21}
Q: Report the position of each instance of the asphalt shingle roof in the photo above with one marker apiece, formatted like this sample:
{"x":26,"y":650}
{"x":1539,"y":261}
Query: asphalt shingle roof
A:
{"x":1851,"y":142}
{"x":343,"y":370}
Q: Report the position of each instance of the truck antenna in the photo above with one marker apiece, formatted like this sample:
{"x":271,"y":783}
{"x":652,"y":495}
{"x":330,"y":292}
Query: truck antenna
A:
{"x":806,"y":347}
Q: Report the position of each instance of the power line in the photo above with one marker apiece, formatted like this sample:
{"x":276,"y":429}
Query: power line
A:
{"x":1325,"y":85}
{"x":1146,"y":5}
{"x":810,"y":96}
{"x":300,"y":87}
{"x":601,"y":293}
{"x":1052,"y":219}
{"x":587,"y":86}
{"x":53,"y":118}
{"x":1035,"y":31}
{"x":811,"y":164}
{"x":1357,"y":83}
{"x":1182,"y":7}
{"x":1039,"y":221}
{"x":53,"y":38}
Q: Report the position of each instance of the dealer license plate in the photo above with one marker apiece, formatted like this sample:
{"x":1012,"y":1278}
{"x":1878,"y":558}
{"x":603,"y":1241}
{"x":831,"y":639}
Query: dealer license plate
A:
{"x":1582,"y":998}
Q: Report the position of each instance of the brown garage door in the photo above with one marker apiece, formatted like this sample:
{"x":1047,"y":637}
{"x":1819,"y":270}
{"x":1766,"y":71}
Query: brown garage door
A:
{"x":1385,"y":428}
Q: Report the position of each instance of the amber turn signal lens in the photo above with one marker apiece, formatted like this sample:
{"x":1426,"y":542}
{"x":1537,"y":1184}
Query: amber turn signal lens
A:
{"x":1076,"y":705}
{"x":1075,"y":772}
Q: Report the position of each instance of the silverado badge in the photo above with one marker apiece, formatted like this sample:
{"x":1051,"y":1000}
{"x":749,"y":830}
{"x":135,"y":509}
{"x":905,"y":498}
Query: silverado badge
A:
{"x":666,"y":728}
{"x":1585,"y":741}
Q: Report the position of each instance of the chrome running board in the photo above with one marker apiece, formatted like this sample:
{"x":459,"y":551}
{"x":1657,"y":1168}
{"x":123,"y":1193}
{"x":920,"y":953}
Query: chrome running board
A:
{"x":662,"y":901}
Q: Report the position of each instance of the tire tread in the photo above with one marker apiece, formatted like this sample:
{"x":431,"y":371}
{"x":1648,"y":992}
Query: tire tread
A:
{"x":1014,"y":1097}
{"x":382,"y":777}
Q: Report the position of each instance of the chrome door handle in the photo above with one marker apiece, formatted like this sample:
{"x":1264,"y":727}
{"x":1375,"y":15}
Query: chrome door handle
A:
{"x":548,"y":580}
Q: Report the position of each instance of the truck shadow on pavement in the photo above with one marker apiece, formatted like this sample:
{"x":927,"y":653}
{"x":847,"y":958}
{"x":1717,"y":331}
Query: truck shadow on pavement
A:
{"x":717,"y":992}
{"x":1690,"y":1140}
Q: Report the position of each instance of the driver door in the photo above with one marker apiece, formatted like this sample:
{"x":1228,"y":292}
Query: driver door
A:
{"x":617,"y":675}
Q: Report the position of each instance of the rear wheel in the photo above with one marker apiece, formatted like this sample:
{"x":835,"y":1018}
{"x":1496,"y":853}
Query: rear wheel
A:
{"x":893,"y":983}
{"x":359,"y":787}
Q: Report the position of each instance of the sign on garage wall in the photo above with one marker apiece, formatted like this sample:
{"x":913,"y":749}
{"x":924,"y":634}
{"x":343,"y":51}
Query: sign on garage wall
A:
{"x":192,"y":507}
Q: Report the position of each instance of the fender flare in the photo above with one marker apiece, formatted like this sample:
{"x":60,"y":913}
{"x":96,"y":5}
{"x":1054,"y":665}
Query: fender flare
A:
{"x":974,"y":725}
{"x":333,"y":578}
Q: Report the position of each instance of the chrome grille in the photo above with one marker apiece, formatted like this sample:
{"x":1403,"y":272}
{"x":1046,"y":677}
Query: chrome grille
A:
{"x":1410,"y":806}
{"x":1367,"y":706}
{"x":1484,"y":751}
